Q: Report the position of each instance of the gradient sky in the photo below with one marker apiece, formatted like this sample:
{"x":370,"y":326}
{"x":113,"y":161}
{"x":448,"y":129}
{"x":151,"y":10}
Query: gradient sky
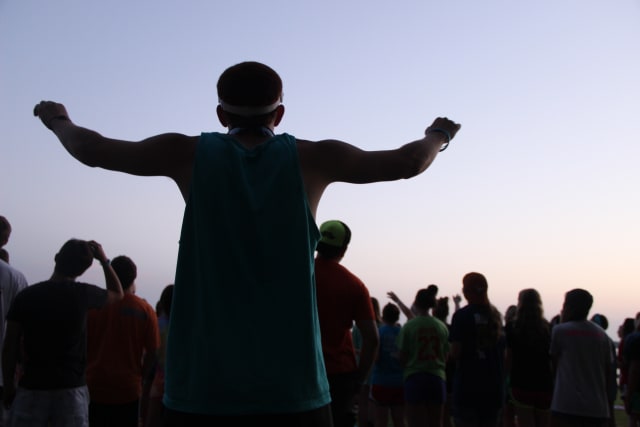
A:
{"x":539,"y":189}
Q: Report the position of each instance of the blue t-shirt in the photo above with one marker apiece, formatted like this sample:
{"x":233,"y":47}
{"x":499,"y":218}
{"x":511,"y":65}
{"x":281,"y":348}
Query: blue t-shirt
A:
{"x":387,"y":370}
{"x":244,"y":333}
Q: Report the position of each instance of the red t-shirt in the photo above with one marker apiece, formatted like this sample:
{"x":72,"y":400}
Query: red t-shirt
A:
{"x":342,"y":299}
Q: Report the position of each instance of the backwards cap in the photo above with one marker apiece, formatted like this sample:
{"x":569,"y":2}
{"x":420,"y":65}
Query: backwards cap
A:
{"x":335,"y":233}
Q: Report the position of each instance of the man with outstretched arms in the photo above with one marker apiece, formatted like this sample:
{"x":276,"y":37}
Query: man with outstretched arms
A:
{"x":248,"y":238}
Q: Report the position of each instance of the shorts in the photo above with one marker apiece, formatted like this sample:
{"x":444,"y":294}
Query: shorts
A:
{"x":384,"y":395}
{"x":425,"y":388}
{"x":63,"y":407}
{"x":540,"y":400}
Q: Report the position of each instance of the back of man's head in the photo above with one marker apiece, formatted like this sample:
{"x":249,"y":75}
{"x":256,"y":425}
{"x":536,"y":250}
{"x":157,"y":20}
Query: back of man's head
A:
{"x":475,"y":287}
{"x":577,"y":304}
{"x":249,"y":92}
{"x":334,"y":239}
{"x":390,"y":313}
{"x":73,"y":258}
{"x":125,"y":269}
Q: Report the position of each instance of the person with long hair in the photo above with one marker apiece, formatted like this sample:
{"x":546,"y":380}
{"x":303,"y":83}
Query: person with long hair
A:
{"x":477,"y":346}
{"x":527,"y":361}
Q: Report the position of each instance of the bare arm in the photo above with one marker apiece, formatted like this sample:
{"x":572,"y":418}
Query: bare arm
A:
{"x":12,"y":338}
{"x":114,"y":288}
{"x":405,"y":310}
{"x":328,"y":161}
{"x":369,"y":351}
{"x":169,"y":154}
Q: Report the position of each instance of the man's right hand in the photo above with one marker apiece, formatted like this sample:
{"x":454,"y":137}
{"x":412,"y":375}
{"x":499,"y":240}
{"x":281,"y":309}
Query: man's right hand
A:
{"x":98,"y":252}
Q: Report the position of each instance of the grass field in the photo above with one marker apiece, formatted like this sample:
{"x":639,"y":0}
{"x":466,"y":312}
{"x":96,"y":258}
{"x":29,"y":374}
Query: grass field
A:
{"x":620,"y":415}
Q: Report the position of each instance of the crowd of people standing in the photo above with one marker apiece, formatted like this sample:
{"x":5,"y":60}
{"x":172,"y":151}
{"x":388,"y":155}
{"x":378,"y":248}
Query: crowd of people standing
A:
{"x":517,"y":369}
{"x":248,"y":253}
{"x":482,"y":369}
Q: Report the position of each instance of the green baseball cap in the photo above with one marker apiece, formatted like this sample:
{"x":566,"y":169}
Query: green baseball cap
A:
{"x":335,"y":233}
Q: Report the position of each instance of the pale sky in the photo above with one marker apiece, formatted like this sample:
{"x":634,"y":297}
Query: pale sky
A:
{"x":539,"y":189}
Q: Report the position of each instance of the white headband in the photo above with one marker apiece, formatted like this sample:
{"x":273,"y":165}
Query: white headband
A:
{"x":245,"y":111}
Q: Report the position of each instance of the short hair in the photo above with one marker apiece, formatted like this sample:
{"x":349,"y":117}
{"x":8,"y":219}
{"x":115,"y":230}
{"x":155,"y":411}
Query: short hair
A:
{"x":475,"y":282}
{"x":73,"y":258}
{"x":578,"y":302}
{"x":125,"y":269}
{"x":390,"y":313}
{"x":249,"y":84}
{"x":600,"y":320}
{"x":4,"y":255}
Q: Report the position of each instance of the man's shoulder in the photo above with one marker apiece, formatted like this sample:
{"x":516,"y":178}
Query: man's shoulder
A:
{"x":349,"y":276}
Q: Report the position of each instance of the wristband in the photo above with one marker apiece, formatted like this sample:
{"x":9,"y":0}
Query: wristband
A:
{"x":106,"y":262}
{"x":445,"y":133}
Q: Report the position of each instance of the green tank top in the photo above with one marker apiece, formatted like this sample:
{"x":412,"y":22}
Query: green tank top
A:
{"x":244,"y":335}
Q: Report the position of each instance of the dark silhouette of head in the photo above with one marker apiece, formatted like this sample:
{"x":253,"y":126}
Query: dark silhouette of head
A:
{"x":249,"y":94}
{"x":577,"y":304}
{"x":390,"y":313}
{"x":125,"y":269}
{"x":73,"y":258}
{"x":475,"y":287}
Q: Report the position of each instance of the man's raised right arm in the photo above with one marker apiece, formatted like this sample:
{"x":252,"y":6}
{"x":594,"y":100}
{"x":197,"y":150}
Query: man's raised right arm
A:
{"x":169,"y":154}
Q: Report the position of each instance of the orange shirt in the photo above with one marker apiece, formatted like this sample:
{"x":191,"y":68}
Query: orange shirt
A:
{"x":118,"y":336}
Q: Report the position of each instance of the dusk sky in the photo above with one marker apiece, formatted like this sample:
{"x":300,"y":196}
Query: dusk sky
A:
{"x":539,"y":189}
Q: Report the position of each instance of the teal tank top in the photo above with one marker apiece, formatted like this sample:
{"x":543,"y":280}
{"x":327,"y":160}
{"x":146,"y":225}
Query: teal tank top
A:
{"x":244,"y":336}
